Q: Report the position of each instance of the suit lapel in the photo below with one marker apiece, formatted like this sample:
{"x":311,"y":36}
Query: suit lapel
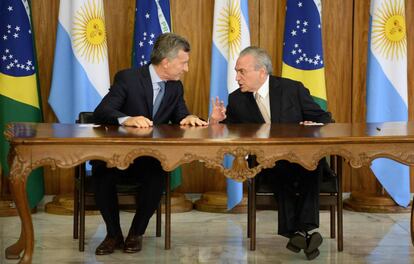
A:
{"x":253,"y":108}
{"x":148,"y":89}
{"x":275,"y":95}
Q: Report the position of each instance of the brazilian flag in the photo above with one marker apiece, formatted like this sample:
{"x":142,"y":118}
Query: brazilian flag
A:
{"x":19,"y":95}
{"x":302,"y":52}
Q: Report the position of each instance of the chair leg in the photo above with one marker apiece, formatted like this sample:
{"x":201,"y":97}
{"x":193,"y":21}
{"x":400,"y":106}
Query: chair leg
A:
{"x":340,"y":207}
{"x":76,"y":209}
{"x":168,"y":212}
{"x":253,"y":216}
{"x":332,"y":213}
{"x":249,"y":206}
{"x":82,"y":213}
{"x":158,"y":221}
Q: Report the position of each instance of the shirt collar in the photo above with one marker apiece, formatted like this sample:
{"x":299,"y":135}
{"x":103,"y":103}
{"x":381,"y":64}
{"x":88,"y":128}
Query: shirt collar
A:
{"x":264,"y":89}
{"x":154,"y":76}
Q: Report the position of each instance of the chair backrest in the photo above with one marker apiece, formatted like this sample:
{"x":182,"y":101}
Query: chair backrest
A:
{"x":329,"y":181}
{"x":85,"y":118}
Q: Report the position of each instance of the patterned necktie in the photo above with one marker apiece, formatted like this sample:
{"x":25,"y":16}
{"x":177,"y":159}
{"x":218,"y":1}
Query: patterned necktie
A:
{"x":262,"y":108}
{"x":158,"y":99}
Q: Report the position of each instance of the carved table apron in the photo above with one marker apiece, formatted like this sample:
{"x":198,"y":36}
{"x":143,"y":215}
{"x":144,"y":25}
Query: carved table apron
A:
{"x":67,"y":145}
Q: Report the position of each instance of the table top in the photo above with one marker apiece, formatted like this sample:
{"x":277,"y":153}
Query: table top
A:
{"x":38,"y":133}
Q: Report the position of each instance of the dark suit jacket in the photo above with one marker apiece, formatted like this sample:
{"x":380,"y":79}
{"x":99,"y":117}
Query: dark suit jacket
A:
{"x":132,"y":94}
{"x":290,"y":102}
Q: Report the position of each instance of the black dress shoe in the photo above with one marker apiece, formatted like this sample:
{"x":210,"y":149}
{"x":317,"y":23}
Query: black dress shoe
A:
{"x":313,"y":254}
{"x":313,"y":242}
{"x":297,"y":242}
{"x":109,"y":244}
{"x":133,"y":243}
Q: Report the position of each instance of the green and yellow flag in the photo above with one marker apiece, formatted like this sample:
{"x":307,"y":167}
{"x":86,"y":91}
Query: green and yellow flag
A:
{"x":302,"y":52}
{"x":19,"y":96}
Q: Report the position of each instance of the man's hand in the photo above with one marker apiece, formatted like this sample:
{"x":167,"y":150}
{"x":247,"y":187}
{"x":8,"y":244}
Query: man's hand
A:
{"x":218,"y":112}
{"x":138,"y":121}
{"x":193,"y":121}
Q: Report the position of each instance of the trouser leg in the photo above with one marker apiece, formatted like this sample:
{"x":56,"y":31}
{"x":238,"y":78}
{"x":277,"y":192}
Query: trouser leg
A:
{"x":104,"y":185}
{"x":297,"y":192}
{"x":308,"y":202}
{"x":286,"y":198}
{"x":151,"y":178}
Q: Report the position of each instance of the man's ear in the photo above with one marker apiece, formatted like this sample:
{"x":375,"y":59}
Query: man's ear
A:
{"x":263,"y":73}
{"x":164,"y":62}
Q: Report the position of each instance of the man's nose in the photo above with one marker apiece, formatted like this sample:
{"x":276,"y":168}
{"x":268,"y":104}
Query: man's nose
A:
{"x":186,"y":68}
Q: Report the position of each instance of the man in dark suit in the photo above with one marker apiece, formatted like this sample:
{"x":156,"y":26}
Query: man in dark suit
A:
{"x":263,"y":98}
{"x":152,"y":94}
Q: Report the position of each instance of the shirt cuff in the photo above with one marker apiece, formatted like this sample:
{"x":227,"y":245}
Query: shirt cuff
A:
{"x":121,"y":120}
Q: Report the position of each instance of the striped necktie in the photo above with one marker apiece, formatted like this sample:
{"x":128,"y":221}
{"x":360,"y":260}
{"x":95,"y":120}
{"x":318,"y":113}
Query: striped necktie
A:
{"x":262,"y":108}
{"x":158,"y":99}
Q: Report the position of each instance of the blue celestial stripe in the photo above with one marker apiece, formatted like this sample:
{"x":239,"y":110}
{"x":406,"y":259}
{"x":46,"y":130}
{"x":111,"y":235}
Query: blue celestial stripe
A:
{"x":73,"y":92}
{"x":147,"y":29}
{"x":384,"y":103}
{"x":244,"y":6}
{"x":234,"y":188}
{"x":303,"y":37}
{"x":395,"y":178}
{"x":218,"y":82}
{"x":16,"y":40}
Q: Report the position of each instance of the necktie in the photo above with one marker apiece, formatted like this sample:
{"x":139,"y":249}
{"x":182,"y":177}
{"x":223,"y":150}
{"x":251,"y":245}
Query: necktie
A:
{"x":262,"y":108}
{"x":158,"y":99}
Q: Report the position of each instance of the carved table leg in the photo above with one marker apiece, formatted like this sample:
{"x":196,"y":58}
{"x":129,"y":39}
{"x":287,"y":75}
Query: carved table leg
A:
{"x":13,"y":251}
{"x":26,"y":240}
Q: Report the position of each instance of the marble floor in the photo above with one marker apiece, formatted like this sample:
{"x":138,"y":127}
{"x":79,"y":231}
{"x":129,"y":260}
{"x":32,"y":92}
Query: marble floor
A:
{"x":199,"y":237}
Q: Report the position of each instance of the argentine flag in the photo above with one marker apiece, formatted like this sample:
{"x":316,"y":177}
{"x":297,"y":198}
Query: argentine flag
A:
{"x":230,"y":36}
{"x":80,"y":70}
{"x":387,"y":87}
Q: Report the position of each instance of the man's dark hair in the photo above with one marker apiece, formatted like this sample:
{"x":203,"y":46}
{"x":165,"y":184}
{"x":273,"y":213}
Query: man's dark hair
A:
{"x":168,"y":45}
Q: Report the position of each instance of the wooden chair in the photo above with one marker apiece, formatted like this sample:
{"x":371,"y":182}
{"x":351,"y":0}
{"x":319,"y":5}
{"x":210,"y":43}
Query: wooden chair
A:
{"x":330,"y":196}
{"x":84,"y":198}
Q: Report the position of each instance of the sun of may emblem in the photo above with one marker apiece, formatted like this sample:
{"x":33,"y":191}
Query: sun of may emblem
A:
{"x":388,"y":30}
{"x":89,"y":35}
{"x":229,"y":27}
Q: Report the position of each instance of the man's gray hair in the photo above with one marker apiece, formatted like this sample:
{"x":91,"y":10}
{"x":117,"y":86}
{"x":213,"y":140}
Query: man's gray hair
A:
{"x":262,"y":58}
{"x":168,"y":45}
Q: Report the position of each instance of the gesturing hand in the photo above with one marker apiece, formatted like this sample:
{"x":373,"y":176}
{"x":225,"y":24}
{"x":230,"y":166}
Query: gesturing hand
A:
{"x":218,"y":113}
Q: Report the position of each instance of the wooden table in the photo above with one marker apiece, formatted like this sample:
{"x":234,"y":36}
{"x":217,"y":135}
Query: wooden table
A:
{"x":66,"y":145}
